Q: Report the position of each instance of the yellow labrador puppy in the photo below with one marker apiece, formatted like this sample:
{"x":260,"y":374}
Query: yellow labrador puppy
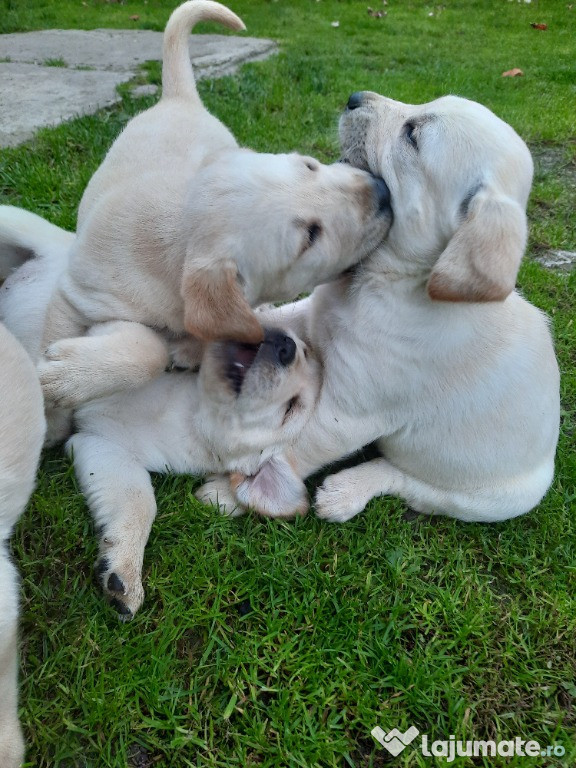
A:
{"x":246,"y":404}
{"x":179,"y":229}
{"x":21,"y":434}
{"x":427,"y":348}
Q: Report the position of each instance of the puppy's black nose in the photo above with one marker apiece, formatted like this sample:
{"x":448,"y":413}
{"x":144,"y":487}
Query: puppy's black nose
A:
{"x":282,"y":347}
{"x":382,"y":194}
{"x":355,"y":100}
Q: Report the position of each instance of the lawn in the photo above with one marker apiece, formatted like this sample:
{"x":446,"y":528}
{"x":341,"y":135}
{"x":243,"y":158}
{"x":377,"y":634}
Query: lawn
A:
{"x":284,"y":644}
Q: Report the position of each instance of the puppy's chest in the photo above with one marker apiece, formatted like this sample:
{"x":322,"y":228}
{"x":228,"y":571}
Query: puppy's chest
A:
{"x":223,"y":459}
{"x":192,"y":456}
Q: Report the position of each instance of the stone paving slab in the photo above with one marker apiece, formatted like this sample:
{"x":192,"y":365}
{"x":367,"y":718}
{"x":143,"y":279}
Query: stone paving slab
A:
{"x":122,"y":49}
{"x":562,"y":260}
{"x":33,"y":95}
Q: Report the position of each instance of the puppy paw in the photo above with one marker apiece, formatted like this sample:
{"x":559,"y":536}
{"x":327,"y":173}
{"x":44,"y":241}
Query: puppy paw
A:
{"x":66,"y":383}
{"x":123,"y":590}
{"x":338,"y":501}
{"x":218,"y":493}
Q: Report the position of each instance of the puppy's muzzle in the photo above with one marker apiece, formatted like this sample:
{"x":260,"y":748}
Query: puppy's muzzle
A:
{"x":278,"y":348}
{"x":356,"y":100}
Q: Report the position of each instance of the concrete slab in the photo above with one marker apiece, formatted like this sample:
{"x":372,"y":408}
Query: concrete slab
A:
{"x":33,"y":97}
{"x":562,"y":260}
{"x":90,"y":67}
{"x":123,"y":49}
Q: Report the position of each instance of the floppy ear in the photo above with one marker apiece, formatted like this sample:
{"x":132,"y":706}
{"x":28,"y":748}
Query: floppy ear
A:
{"x":215,"y":307}
{"x":481,"y":261}
{"x":274,"y":491}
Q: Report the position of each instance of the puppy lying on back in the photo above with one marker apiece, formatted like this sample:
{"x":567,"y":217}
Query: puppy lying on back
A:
{"x":179,"y":229}
{"x":244,"y":406}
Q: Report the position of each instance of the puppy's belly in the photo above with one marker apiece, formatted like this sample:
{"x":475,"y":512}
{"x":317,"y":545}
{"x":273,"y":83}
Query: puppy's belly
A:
{"x":155,"y":423}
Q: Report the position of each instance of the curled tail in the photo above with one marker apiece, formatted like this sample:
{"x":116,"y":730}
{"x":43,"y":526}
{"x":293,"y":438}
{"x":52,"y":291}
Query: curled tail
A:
{"x":177,"y":74}
{"x":23,"y":234}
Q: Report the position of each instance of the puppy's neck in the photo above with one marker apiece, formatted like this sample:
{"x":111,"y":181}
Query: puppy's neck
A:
{"x":219,"y":432}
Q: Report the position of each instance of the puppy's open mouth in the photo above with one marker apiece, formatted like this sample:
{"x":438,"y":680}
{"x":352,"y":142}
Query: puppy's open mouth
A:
{"x":239,"y":358}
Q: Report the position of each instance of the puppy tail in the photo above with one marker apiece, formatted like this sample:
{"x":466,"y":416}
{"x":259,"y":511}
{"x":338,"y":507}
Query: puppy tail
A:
{"x":177,"y":74}
{"x":23,"y":234}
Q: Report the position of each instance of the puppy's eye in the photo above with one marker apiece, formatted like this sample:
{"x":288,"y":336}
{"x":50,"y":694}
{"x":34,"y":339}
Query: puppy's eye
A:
{"x":409,"y":131}
{"x":313,"y":231}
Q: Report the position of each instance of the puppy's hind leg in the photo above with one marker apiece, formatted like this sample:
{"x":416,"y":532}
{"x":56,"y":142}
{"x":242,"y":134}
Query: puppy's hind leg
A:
{"x":111,"y":358}
{"x":345,"y":494}
{"x":121,"y":499}
{"x":63,"y":320}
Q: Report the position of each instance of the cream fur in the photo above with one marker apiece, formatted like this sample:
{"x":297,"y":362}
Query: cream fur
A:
{"x":22,"y":428}
{"x":182,"y":422}
{"x":180,"y":229}
{"x":461,"y":394}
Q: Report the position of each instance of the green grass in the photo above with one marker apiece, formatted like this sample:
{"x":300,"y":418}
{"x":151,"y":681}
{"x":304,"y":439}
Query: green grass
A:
{"x":272,"y":644}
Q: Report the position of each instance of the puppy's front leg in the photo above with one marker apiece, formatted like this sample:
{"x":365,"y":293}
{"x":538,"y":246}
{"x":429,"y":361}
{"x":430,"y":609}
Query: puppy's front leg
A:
{"x":217,"y":491}
{"x":113,"y":357}
{"x":121,"y":499}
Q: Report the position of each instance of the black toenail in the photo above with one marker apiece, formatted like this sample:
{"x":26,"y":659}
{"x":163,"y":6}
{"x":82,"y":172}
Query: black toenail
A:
{"x":122,"y":609}
{"x":244,"y":607}
{"x":115,"y":584}
{"x":102,"y":566}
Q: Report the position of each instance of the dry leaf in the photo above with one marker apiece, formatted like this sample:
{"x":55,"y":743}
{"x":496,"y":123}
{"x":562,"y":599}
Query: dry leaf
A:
{"x":335,"y":23}
{"x":134,"y":18}
{"x":512,"y":72}
{"x":539,"y":26}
